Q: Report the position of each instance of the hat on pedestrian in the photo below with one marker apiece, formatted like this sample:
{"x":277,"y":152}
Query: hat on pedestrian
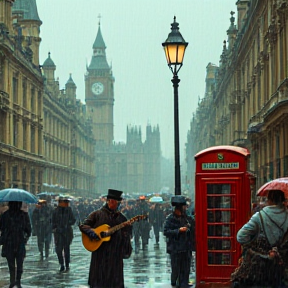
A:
{"x":42,"y":201}
{"x":114,"y":194}
{"x":178,"y":200}
{"x":64,"y":198}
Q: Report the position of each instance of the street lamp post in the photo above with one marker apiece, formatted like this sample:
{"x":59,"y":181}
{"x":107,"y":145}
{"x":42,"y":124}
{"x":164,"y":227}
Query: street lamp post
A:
{"x":174,"y":48}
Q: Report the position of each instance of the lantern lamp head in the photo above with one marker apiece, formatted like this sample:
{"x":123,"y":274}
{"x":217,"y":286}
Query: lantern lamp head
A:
{"x":174,"y":48}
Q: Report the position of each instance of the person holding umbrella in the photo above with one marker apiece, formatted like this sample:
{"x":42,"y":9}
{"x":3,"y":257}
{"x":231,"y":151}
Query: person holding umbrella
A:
{"x":15,"y":230}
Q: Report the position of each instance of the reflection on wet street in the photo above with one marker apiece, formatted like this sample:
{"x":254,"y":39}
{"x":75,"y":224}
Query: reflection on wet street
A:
{"x":146,"y":268}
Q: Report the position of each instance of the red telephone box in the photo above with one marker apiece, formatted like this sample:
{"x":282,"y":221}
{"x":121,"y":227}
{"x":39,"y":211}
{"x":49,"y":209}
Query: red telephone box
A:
{"x":222,"y":207}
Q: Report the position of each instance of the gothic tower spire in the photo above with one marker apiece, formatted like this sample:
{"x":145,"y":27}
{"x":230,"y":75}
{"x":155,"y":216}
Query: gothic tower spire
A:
{"x":99,"y":92}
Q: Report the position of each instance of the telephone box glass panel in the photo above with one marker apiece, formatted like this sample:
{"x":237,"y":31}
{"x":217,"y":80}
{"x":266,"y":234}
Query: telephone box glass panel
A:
{"x":220,"y":223}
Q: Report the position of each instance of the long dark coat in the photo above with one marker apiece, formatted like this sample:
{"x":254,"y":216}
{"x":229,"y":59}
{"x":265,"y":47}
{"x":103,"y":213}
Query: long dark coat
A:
{"x":42,"y":221}
{"x":62,"y":220}
{"x":141,"y":228}
{"x":156,"y":216}
{"x":106,"y":267}
{"x":16,"y":228}
{"x":177,"y":241}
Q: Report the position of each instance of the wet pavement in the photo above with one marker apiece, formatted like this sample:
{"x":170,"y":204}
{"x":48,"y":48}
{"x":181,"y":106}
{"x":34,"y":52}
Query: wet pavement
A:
{"x":146,"y":269}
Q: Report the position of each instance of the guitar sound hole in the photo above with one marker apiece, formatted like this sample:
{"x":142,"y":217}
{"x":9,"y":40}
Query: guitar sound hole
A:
{"x":103,"y":234}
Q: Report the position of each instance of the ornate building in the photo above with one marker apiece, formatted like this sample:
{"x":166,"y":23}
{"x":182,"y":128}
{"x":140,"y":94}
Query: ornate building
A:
{"x":68,"y":144}
{"x":44,"y":132}
{"x":131,"y":167}
{"x":245,"y":102}
{"x":21,"y":98}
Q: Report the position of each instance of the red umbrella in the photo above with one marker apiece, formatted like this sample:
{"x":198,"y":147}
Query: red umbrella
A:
{"x":276,"y":184}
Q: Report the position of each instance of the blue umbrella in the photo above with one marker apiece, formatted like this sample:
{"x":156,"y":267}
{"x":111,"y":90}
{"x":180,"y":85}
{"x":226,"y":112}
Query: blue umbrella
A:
{"x":15,"y":194}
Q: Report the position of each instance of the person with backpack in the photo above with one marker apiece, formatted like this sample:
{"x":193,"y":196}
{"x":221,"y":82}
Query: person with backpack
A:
{"x":15,"y":230}
{"x":263,"y":238}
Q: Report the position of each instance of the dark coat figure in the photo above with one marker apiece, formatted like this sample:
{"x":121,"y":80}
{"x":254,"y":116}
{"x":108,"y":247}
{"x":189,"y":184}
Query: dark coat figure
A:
{"x":42,"y":226}
{"x":62,"y":220}
{"x":106,"y":267}
{"x":156,"y":218}
{"x":179,"y":229}
{"x":15,"y":228}
{"x":141,"y":228}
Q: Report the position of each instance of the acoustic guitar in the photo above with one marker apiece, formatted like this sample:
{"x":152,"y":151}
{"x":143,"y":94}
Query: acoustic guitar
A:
{"x":104,"y":232}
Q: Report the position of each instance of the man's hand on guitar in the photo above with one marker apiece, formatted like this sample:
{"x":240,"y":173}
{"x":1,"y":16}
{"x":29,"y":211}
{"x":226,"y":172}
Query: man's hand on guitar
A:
{"x":92,"y":235}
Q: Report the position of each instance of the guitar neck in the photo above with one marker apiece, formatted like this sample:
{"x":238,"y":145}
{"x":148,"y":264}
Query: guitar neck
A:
{"x":116,"y":228}
{"x":121,"y":225}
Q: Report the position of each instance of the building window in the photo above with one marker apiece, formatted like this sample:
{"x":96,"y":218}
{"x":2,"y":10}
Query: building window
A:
{"x":15,"y":130}
{"x":24,"y":94}
{"x":39,"y":142}
{"x":278,"y":162}
{"x":32,"y":100}
{"x":39,"y":104}
{"x":40,"y":177}
{"x":15,"y":89}
{"x":24,"y":136}
{"x":33,"y":180}
{"x":24,"y":180}
{"x":271,"y":171}
{"x":2,"y":126}
{"x":285,"y":166}
{"x":2,"y":175}
{"x":32,"y":139}
{"x":14,"y":174}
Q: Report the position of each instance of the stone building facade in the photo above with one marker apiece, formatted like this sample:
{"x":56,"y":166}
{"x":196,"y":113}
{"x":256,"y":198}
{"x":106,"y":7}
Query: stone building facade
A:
{"x":133,"y":167}
{"x":246,"y":98}
{"x":21,"y":99}
{"x":45,"y":134}
{"x":68,"y":143}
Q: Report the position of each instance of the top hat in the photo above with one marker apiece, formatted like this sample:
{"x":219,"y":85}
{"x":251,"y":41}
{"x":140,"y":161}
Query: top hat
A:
{"x":178,"y":200}
{"x":114,"y":194}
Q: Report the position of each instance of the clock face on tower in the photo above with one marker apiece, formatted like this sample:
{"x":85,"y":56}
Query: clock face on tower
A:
{"x":97,"y":88}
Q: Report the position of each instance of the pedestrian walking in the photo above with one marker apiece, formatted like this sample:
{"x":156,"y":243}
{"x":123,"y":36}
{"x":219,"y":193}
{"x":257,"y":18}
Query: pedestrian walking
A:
{"x":15,"y":230}
{"x":141,"y":229}
{"x":264,"y":242}
{"x":156,"y":218}
{"x":179,"y":229}
{"x":42,"y":226}
{"x":62,"y":221}
{"x":106,"y":267}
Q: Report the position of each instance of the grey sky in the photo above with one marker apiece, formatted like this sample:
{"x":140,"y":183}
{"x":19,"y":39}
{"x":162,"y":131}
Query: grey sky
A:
{"x":133,"y":31}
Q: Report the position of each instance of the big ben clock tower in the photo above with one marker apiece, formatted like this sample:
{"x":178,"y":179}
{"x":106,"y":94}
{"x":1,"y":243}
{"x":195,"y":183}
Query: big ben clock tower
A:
{"x":99,"y":92}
